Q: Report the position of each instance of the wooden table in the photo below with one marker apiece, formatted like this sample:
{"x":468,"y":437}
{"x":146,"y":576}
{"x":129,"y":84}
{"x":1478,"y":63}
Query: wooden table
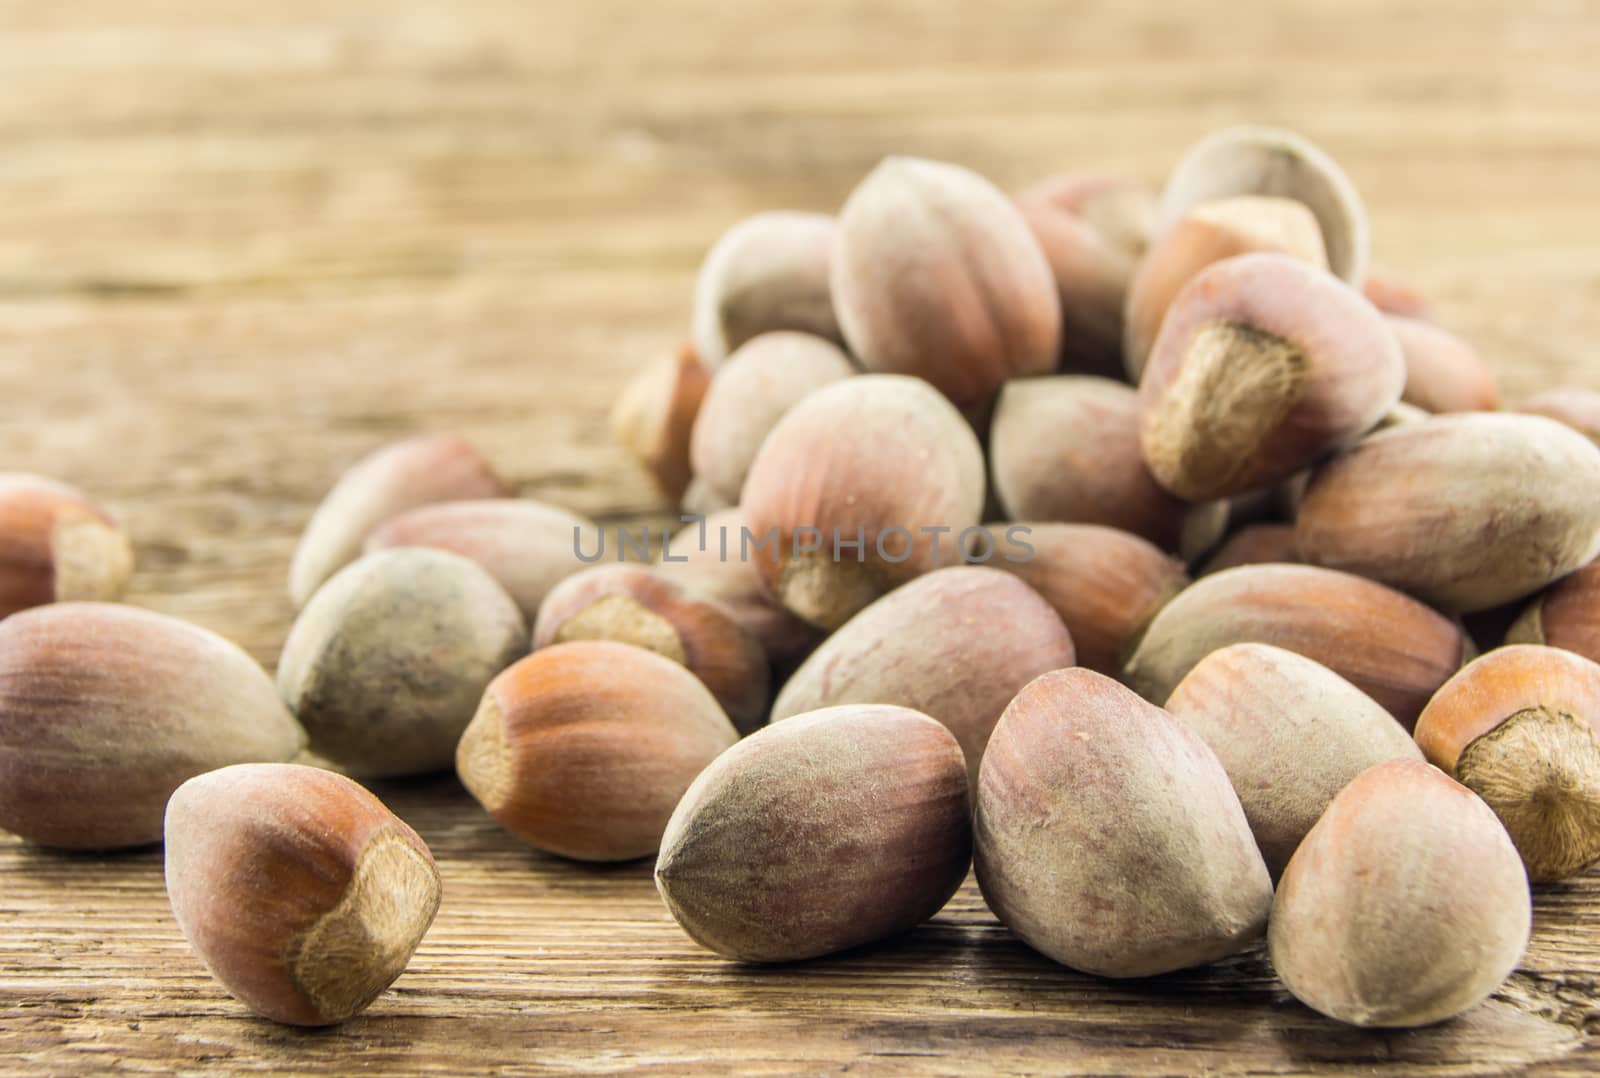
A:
{"x":241,"y":244}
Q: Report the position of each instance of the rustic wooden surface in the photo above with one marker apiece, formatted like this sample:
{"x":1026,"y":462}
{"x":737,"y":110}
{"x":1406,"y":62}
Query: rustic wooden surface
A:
{"x":241,"y":244}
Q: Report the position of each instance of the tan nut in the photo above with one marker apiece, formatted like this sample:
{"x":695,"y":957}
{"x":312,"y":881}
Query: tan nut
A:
{"x":1255,"y":544}
{"x":653,"y":418}
{"x":57,"y":546}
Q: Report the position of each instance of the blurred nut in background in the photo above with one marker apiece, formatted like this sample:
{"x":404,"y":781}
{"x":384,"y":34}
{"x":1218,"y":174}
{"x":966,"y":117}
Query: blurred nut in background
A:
{"x":1443,"y":372}
{"x":1577,"y":408}
{"x":653,"y":417}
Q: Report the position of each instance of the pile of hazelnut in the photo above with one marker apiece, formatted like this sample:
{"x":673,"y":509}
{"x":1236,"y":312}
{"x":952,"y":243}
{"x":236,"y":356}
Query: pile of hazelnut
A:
{"x":1185,"y":659}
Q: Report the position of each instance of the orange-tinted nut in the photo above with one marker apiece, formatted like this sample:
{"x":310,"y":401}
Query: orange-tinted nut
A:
{"x":831,"y":830}
{"x":57,"y":546}
{"x":1577,"y":408}
{"x":631,"y":604}
{"x":297,"y":888}
{"x":584,"y":749}
{"x":1405,"y":905}
{"x":1520,"y":727}
{"x":1443,"y":372}
{"x":653,"y":417}
{"x":936,"y":274}
{"x":1263,"y":365}
{"x":1093,"y":801}
{"x":1255,"y":544}
{"x":1566,"y":615}
{"x":1392,"y":295}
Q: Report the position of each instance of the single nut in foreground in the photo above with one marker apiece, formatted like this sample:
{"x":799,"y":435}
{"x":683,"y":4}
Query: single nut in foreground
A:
{"x":841,"y":519}
{"x":297,"y":888}
{"x":527,"y":546}
{"x":583,"y":749}
{"x":759,"y":383}
{"x":1443,"y":372}
{"x":1066,"y":448}
{"x":1520,"y":727}
{"x":400,"y":476}
{"x":1290,"y":733}
{"x":1390,"y":646}
{"x":936,"y":274}
{"x":1106,"y":585}
{"x":1107,"y":835}
{"x":1392,"y":295}
{"x":57,"y":546}
{"x":956,"y":644}
{"x":1270,"y":161}
{"x":653,"y":417}
{"x":106,"y":709}
{"x":768,"y":272}
{"x":1566,"y":615}
{"x":631,"y":604}
{"x":386,"y":663}
{"x":1405,"y":905}
{"x":1092,"y":230}
{"x":834,"y":829}
{"x":1263,"y":365}
{"x":1255,"y":544}
{"x":1577,"y":408}
{"x":1204,"y":235}
{"x":1467,"y":511}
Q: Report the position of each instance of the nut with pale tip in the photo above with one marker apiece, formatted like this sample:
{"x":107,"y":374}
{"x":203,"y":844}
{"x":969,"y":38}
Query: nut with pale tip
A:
{"x":653,"y":417}
{"x":57,"y":546}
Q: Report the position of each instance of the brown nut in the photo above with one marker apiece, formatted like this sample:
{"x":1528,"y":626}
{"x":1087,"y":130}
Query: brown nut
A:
{"x":400,"y":476}
{"x":1255,"y":544}
{"x":297,"y":888}
{"x":57,"y":546}
{"x":653,"y":417}
{"x":1066,"y":449}
{"x":1290,"y":733}
{"x":631,"y":604}
{"x":1391,"y":647}
{"x":1520,"y":727}
{"x":761,"y":381}
{"x":834,"y":829}
{"x":1566,"y":615}
{"x":1467,"y":511}
{"x":1390,"y":294}
{"x":956,"y":644}
{"x":527,"y":546}
{"x":1443,"y":372}
{"x":1270,"y":161}
{"x":387,"y":661}
{"x":1577,"y":408}
{"x":583,"y":749}
{"x":936,"y":274}
{"x":713,"y":557}
{"x":1263,"y":365}
{"x":1204,"y":235}
{"x":1092,"y":230}
{"x":1107,"y":836}
{"x":841,"y":520}
{"x":1405,"y":905}
{"x":106,"y":709}
{"x":1106,"y":585}
{"x":768,"y":272}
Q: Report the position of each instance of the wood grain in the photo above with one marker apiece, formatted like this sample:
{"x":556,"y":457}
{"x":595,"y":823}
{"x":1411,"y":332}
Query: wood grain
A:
{"x":242,"y":244}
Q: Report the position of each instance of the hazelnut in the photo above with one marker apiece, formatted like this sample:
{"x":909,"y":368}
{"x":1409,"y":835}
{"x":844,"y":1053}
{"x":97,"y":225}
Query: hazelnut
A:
{"x":1443,"y":372}
{"x":1566,"y":615}
{"x":839,"y":520}
{"x":1466,"y":511}
{"x":1290,"y":733}
{"x":634,"y":605}
{"x":761,"y":381}
{"x":1520,"y":727}
{"x":768,"y":272}
{"x":297,"y":888}
{"x":1255,"y":544}
{"x":834,"y":829}
{"x":956,"y":644}
{"x":106,"y":709}
{"x":400,"y":476}
{"x":1206,"y":234}
{"x":1066,"y":449}
{"x":700,"y":499}
{"x":936,"y":274}
{"x":583,"y":749}
{"x":57,"y":546}
{"x":653,"y":417}
{"x":1105,"y":584}
{"x":1107,"y":836}
{"x":387,"y":661}
{"x":1270,"y":161}
{"x":1391,"y":647}
{"x":527,"y":546}
{"x":1263,"y":365}
{"x":1390,"y":294}
{"x":1577,"y":408}
{"x":1405,"y":905}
